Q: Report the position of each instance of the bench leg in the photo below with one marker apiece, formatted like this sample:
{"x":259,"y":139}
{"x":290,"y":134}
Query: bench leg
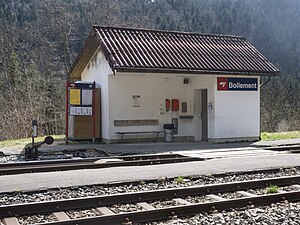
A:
{"x":156,"y":137}
{"x":121,"y":138}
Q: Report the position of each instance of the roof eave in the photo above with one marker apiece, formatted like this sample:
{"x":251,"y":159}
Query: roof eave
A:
{"x":195,"y":71}
{"x":87,"y":51}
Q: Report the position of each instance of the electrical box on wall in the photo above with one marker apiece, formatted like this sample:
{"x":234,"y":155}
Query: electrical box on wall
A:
{"x":184,"y":107}
{"x":175,"y":105}
{"x":168,"y":105}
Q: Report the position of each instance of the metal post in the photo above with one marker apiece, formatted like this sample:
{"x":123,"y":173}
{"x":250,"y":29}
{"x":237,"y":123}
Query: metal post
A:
{"x":67,"y":112}
{"x":32,"y":142}
{"x":33,"y":152}
{"x":34,"y":131}
{"x":94,"y":111}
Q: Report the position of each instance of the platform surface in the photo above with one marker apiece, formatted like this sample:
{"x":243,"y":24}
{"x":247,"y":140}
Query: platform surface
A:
{"x":155,"y":147}
{"x":294,"y":141}
{"x":220,"y":159}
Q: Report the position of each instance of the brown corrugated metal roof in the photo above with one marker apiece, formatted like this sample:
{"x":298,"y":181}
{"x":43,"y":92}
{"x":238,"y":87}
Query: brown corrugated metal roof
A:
{"x":154,"y":50}
{"x":140,"y":50}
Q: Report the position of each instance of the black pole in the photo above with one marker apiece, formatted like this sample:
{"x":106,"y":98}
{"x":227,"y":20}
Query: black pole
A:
{"x":33,"y":151}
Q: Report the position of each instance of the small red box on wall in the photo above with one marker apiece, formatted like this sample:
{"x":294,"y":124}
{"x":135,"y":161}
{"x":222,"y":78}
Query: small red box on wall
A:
{"x":175,"y":105}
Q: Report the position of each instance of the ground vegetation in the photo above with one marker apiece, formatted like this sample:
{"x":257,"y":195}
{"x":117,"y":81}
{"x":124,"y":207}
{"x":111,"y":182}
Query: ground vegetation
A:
{"x":39,"y":40}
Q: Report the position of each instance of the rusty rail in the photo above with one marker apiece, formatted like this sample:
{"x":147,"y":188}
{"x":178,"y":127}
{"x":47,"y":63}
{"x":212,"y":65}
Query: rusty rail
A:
{"x":186,"y":210}
{"x":156,"y":214}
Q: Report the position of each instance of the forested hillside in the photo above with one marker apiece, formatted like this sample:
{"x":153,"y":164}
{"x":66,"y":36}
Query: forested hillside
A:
{"x":39,"y":40}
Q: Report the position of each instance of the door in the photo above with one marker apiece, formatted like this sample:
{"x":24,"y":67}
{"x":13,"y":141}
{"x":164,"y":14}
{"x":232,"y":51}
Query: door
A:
{"x":204,"y":119}
{"x":201,"y":115}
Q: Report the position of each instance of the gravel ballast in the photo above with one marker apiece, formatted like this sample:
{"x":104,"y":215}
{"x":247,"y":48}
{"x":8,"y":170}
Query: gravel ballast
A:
{"x":162,"y":183}
{"x":275,"y":214}
{"x":280,"y":213}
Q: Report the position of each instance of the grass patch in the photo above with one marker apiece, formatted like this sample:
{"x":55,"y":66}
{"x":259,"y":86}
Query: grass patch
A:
{"x":20,"y":143}
{"x":279,"y":136}
{"x":272,"y":189}
{"x":179,"y":179}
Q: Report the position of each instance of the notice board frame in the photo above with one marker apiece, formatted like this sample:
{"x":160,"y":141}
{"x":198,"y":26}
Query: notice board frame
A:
{"x":80,"y":86}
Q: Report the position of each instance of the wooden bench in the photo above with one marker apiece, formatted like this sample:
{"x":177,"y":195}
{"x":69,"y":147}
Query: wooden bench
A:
{"x":122,"y":133}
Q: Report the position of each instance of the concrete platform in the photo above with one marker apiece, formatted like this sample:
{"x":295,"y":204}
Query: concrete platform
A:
{"x":294,"y":141}
{"x":134,"y":148}
{"x":222,"y":158}
{"x":154,"y":147}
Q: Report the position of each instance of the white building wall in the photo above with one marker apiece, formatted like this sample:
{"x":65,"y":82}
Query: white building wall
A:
{"x":231,"y":114}
{"x":153,"y":89}
{"x":237,"y":113}
{"x":97,"y":70}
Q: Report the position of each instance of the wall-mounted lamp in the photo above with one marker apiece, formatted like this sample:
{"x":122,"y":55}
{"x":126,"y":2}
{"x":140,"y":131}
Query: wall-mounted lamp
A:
{"x":186,"y":80}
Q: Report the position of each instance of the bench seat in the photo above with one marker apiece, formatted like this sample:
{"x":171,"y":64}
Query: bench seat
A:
{"x":122,"y":133}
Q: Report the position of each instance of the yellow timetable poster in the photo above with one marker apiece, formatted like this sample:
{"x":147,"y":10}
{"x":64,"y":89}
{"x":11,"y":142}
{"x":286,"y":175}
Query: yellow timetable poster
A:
{"x":75,"y":96}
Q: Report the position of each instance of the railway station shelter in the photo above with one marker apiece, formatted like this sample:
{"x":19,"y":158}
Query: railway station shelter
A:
{"x":207,"y":86}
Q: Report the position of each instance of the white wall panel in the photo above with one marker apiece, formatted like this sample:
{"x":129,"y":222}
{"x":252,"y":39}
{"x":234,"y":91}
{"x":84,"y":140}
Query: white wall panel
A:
{"x":97,"y":70}
{"x":237,"y":113}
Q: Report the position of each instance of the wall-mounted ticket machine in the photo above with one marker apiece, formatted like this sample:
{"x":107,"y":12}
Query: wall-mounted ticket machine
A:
{"x":82,"y":111}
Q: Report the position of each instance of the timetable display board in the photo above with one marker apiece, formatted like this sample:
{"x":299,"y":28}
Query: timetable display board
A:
{"x":86,"y":97}
{"x":81,"y":111}
{"x":81,"y":99}
{"x":83,"y":115}
{"x":75,"y":96}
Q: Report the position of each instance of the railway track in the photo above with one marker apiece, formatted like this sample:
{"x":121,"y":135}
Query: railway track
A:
{"x":293,"y":148}
{"x":105,"y":208}
{"x":92,"y":163}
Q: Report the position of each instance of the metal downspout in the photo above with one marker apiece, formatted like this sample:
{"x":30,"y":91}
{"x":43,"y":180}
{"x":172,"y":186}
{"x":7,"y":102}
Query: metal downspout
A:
{"x":269,"y":78}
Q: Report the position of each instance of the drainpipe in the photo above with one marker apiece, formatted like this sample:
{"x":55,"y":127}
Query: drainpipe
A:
{"x":267,"y":81}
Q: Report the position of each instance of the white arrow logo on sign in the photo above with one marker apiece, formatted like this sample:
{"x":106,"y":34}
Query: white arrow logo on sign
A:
{"x":223,"y":83}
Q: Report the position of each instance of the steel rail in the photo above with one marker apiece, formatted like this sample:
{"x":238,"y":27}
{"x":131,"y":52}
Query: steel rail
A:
{"x":292,"y":147}
{"x":59,"y":161}
{"x":91,"y":165}
{"x":98,"y":201}
{"x":185,"y":210}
